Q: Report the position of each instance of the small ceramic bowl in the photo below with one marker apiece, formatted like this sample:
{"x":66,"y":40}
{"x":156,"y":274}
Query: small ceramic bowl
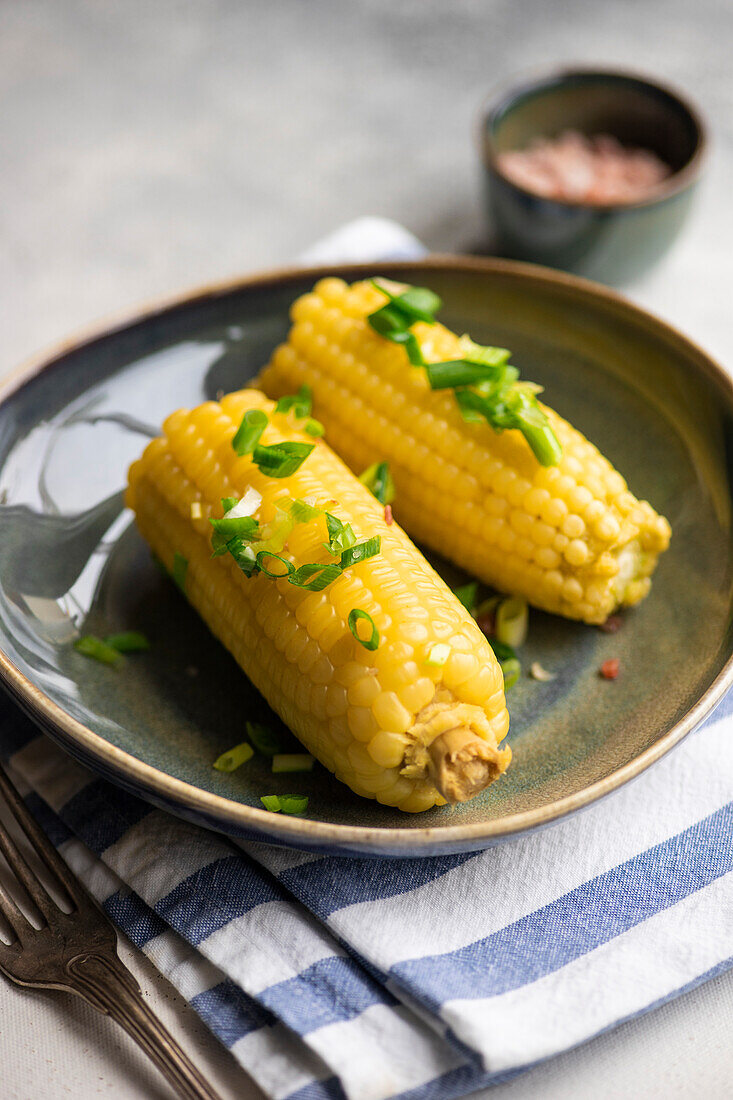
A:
{"x":612,"y":242}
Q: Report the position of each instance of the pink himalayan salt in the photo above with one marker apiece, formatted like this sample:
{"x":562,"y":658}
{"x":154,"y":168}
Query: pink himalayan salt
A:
{"x":576,"y":168}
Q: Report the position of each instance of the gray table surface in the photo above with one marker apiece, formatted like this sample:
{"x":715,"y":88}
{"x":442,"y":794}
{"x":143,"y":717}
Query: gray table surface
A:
{"x":146,"y":147}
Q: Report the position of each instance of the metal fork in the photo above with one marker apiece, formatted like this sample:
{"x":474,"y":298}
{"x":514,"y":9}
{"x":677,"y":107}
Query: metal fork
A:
{"x":77,"y":951}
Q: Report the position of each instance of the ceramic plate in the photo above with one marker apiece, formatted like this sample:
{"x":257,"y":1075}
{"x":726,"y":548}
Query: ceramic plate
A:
{"x":69,"y":554}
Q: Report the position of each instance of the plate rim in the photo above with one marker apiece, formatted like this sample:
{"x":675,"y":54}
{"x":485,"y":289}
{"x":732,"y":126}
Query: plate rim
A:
{"x":300,"y":832}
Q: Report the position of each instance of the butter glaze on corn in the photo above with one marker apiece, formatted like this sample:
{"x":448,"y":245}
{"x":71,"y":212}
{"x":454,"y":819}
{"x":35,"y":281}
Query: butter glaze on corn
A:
{"x":387,"y":723}
{"x":569,"y":538}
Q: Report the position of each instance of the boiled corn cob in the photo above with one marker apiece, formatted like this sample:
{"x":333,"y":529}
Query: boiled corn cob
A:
{"x":570,"y":538}
{"x":392,"y":723}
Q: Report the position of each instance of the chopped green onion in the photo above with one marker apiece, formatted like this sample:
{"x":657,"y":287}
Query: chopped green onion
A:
{"x":289,"y":567}
{"x":229,"y":526}
{"x":315,"y":576}
{"x":303,"y":512}
{"x":511,"y":407}
{"x":341,"y":535}
{"x":292,"y":762}
{"x":301,"y":403}
{"x":393,"y":325}
{"x":498,"y":398}
{"x":249,"y":431}
{"x":244,"y":556}
{"x":512,"y":618}
{"x":467,"y":593}
{"x":459,"y":372}
{"x":378,"y":481}
{"x":247,"y":506}
{"x":264,"y":739}
{"x":180,"y":569}
{"x":281,"y":459}
{"x":354,"y":617}
{"x":511,"y":671}
{"x":314,"y":428}
{"x":285,"y":803}
{"x":417,"y":302}
{"x":361,"y":551}
{"x":478,"y":353}
{"x":293,"y":804}
{"x":90,"y":646}
{"x":234,"y":758}
{"x":130,"y":641}
{"x":438,"y":655}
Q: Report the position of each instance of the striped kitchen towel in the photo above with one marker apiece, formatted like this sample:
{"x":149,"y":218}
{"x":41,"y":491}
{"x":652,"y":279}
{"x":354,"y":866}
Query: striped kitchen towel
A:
{"x":369,"y":979}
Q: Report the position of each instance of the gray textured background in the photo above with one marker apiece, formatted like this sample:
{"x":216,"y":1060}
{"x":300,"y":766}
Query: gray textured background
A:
{"x":151,"y":145}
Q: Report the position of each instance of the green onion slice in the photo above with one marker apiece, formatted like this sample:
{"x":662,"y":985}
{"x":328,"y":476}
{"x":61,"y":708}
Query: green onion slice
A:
{"x":355,"y":617}
{"x":302,"y":512}
{"x":180,"y":569}
{"x":234,"y":758}
{"x":289,"y":567}
{"x":378,"y":481}
{"x":292,"y":762}
{"x":460,"y":372}
{"x":315,"y":576}
{"x":228,"y":526}
{"x":478,"y":353}
{"x":512,"y":619}
{"x":129,"y":641}
{"x":293,"y":803}
{"x":361,"y":551}
{"x":341,"y":535}
{"x":301,"y":403}
{"x":285,"y":803}
{"x":91,"y":646}
{"x":281,"y":459}
{"x":418,"y":303}
{"x":228,"y":503}
{"x":393,"y":325}
{"x":244,"y":556}
{"x":264,"y":739}
{"x":467,"y":594}
{"x":314,"y":428}
{"x":249,"y":431}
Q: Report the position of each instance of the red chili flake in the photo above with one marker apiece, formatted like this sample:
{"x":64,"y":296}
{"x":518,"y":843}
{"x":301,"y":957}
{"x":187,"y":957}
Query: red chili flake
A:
{"x":388,"y":515}
{"x":486,"y":624}
{"x":611,"y":625}
{"x":610,"y":668}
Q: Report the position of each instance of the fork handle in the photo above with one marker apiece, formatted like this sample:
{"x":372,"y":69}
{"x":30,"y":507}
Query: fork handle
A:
{"x":107,"y":984}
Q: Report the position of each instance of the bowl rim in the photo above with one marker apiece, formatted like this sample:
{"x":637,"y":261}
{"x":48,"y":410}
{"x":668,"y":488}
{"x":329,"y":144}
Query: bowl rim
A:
{"x":222,"y":812}
{"x":509,"y":91}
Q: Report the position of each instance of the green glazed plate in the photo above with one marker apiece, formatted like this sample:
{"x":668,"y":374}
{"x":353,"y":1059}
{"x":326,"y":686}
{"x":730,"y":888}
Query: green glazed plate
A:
{"x":69,"y":554}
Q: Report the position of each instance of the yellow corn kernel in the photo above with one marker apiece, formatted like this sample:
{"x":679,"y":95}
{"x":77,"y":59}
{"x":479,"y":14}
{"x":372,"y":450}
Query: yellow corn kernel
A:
{"x":512,"y":523}
{"x":360,"y":712}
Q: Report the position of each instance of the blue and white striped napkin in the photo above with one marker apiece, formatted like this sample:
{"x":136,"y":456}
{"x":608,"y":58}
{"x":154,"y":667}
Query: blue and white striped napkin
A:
{"x":329,"y":977}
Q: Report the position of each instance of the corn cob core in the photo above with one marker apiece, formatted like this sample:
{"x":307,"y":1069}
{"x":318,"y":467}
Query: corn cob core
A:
{"x":570,"y":538}
{"x":388,"y":723}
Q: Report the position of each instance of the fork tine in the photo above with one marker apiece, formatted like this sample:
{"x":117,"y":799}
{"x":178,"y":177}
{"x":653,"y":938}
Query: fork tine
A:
{"x":41,"y":845}
{"x":12,"y":915}
{"x":25,"y":874}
